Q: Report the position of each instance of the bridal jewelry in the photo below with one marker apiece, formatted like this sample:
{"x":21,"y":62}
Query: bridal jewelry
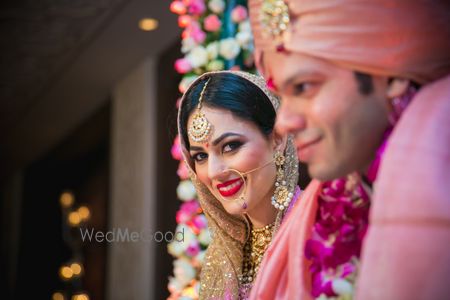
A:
{"x":254,"y":251}
{"x":282,"y":196}
{"x":241,"y":196}
{"x":200,"y":128}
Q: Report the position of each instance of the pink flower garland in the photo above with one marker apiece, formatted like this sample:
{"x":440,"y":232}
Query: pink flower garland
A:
{"x":335,"y":245}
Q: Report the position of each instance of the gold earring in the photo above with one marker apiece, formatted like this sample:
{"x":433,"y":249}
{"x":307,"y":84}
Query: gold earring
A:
{"x":281,"y":197}
{"x":200,"y":128}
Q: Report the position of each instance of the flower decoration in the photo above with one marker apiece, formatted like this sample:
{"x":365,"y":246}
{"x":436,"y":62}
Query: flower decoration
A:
{"x":216,"y":6}
{"x":239,"y":14}
{"x":212,"y":23}
{"x":335,"y":245}
{"x":215,"y":36}
{"x":207,"y":26}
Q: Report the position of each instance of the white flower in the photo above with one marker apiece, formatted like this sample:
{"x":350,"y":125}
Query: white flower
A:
{"x":215,"y":65}
{"x":176,"y":248}
{"x":216,"y":6}
{"x":204,"y":237}
{"x":174,"y":285}
{"x":197,"y":57}
{"x":185,"y":83}
{"x":201,"y":256}
{"x":342,"y":287}
{"x":183,"y":271}
{"x":186,"y":190}
{"x":187,"y":44}
{"x":188,"y":236}
{"x":244,"y":39}
{"x":245,"y":26}
{"x":229,"y":48}
{"x":213,"y":50}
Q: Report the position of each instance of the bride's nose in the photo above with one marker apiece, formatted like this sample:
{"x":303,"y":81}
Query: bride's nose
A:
{"x":216,"y":168}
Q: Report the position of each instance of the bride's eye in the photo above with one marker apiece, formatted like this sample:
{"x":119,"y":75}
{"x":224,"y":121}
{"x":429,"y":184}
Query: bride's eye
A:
{"x":231,"y":146}
{"x":199,"y":157}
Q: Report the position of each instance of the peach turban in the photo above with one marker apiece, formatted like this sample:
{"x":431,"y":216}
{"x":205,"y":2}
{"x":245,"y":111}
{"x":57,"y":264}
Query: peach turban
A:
{"x":403,"y":38}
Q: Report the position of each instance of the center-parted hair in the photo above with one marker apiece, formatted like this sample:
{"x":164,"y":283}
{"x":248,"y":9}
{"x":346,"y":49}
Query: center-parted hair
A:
{"x":233,"y":93}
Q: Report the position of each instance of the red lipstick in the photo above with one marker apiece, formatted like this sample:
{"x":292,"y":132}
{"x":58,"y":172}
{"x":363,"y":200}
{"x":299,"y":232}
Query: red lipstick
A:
{"x":231,"y":187}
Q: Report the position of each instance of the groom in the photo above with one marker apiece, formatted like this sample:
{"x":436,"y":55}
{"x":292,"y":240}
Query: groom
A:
{"x":365,"y":87}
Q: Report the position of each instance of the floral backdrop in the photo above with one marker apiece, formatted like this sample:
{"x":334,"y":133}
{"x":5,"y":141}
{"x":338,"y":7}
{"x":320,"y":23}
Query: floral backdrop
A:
{"x":216,"y":36}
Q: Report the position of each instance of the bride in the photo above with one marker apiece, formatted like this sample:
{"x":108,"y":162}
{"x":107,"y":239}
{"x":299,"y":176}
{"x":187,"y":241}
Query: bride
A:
{"x":245,"y":175}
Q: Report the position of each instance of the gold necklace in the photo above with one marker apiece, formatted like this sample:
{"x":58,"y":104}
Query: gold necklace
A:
{"x":254,"y":250}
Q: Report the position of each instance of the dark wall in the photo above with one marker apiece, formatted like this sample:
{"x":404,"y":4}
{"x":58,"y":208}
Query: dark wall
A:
{"x":80,"y":164}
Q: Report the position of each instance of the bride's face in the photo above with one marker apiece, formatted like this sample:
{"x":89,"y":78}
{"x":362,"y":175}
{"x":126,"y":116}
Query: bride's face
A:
{"x":235,"y":144}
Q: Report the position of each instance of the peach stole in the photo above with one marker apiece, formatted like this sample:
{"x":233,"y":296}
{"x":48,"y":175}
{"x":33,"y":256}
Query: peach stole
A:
{"x":284,"y":270}
{"x":406,"y":253}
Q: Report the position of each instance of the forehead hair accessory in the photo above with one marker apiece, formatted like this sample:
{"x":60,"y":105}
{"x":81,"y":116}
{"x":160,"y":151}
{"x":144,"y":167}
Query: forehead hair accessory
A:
{"x":200,"y":128}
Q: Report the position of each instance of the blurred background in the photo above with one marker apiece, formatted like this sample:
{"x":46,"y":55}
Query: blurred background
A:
{"x":88,"y":94}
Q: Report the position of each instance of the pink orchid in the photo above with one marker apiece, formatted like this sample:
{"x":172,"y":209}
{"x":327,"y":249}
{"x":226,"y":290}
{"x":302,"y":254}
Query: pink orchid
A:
{"x":347,"y":269}
{"x":193,"y":249}
{"x":184,"y":21}
{"x":187,"y":211}
{"x":336,"y":240}
{"x":178,"y":7}
{"x":191,"y":207}
{"x":176,"y":149}
{"x":239,"y":14}
{"x":200,"y":222}
{"x":195,"y":32}
{"x":197,"y":7}
{"x":182,"y":66}
{"x":321,"y":284}
{"x":212,"y":23}
{"x":183,"y":171}
{"x":182,"y":217}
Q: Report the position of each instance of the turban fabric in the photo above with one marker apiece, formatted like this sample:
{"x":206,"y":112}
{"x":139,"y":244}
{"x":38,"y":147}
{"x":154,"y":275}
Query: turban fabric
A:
{"x":401,"y":38}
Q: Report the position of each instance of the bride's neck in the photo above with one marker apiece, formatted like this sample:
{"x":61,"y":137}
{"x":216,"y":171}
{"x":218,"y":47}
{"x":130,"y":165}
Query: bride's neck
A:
{"x":262,"y":214}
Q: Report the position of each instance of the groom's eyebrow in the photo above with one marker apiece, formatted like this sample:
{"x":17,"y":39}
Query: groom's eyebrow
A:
{"x":223,"y":136}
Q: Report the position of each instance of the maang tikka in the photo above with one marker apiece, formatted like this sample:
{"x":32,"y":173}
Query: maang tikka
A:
{"x":200,"y":128}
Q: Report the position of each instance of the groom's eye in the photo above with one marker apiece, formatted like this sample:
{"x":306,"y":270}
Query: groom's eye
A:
{"x":304,"y":89}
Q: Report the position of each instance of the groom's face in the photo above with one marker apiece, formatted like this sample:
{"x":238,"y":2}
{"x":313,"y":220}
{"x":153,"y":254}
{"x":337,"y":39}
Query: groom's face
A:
{"x":337,"y":122}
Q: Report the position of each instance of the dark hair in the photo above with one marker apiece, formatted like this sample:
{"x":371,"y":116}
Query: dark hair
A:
{"x":233,"y":93}
{"x":365,"y":83}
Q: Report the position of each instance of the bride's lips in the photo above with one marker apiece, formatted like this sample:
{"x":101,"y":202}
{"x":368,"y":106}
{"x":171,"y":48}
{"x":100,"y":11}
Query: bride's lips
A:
{"x":305,"y":150}
{"x":231,"y":187}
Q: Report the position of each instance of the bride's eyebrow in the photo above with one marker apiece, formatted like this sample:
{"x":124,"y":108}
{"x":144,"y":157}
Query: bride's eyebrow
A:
{"x":195,"y":148}
{"x":223,"y":136}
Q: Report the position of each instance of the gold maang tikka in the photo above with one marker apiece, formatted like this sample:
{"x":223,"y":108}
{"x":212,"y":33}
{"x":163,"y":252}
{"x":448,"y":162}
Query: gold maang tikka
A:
{"x":200,"y":128}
